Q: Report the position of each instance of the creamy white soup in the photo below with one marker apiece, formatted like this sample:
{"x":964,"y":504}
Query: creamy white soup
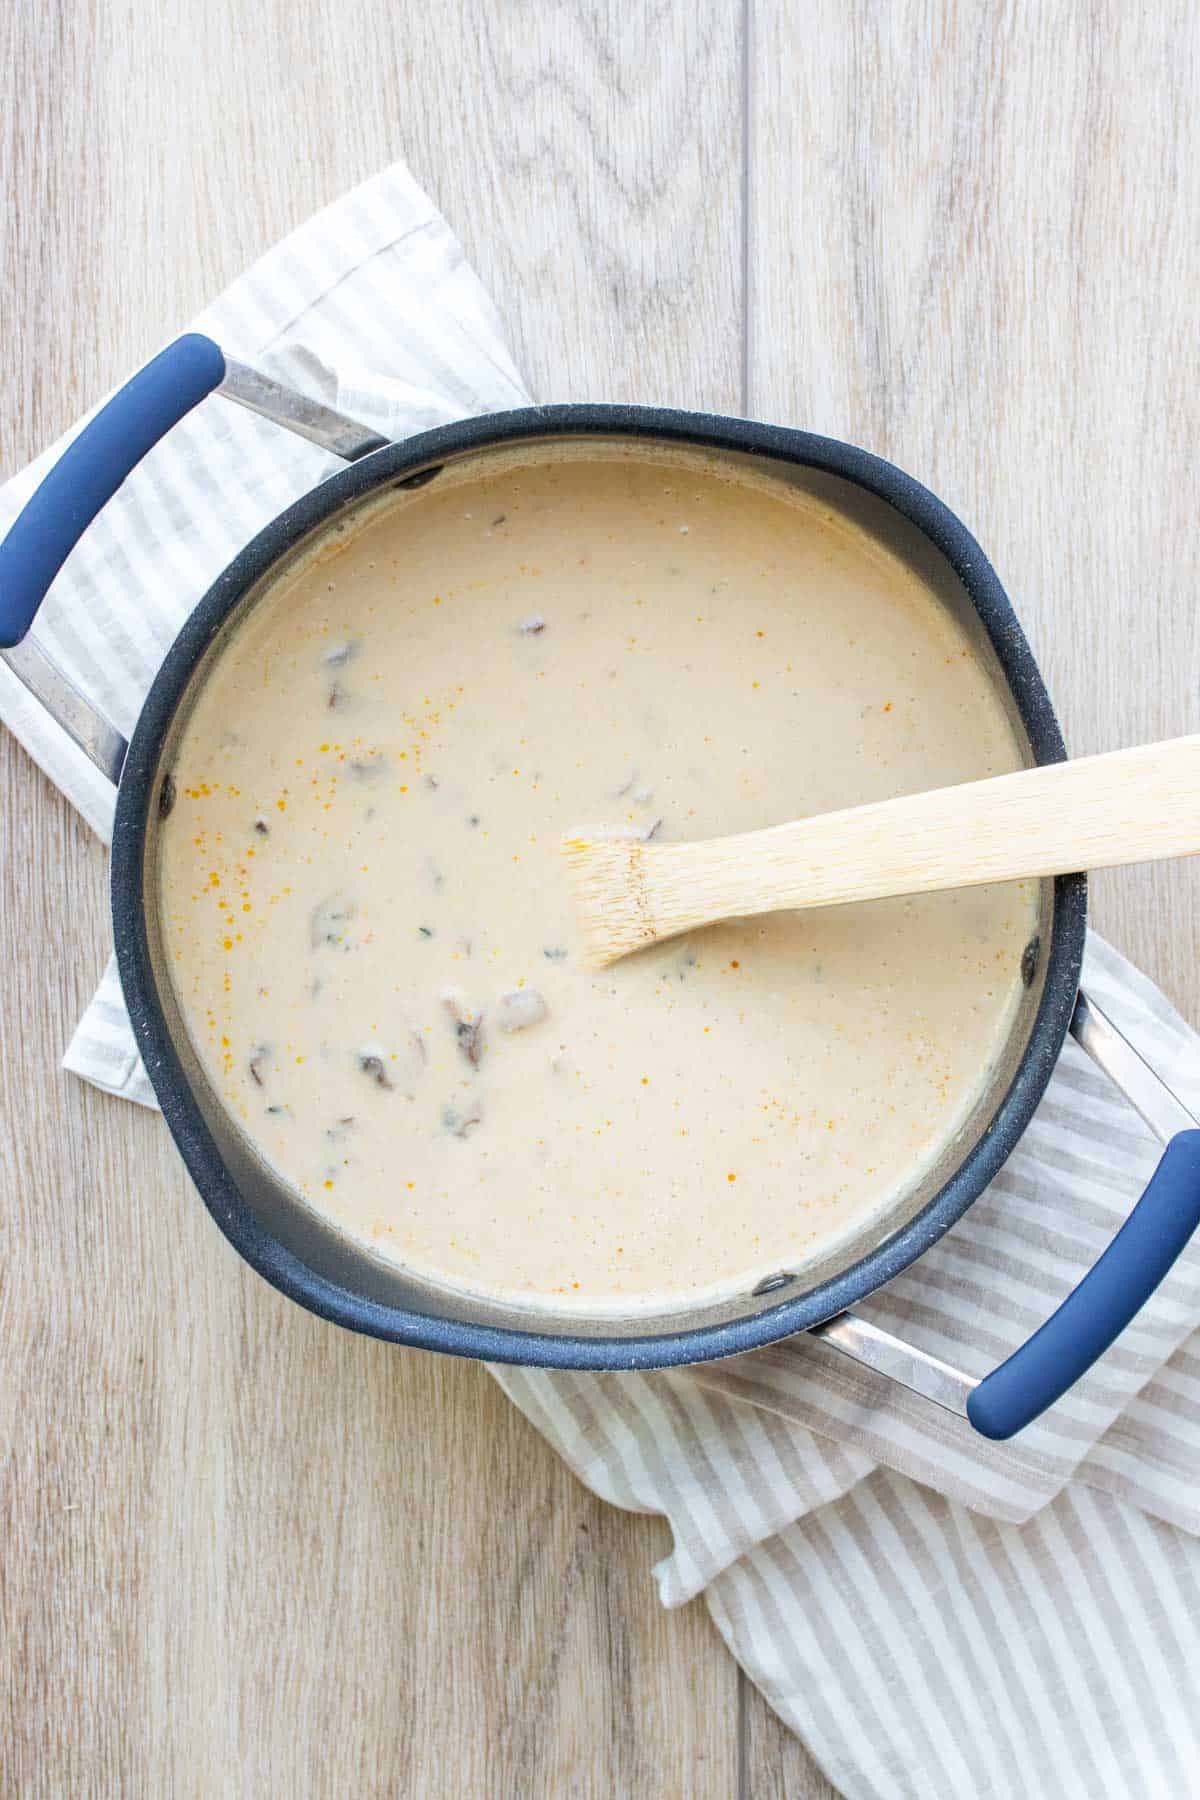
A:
{"x":368,"y":922}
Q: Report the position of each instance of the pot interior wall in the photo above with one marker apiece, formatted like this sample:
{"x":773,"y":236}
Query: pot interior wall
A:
{"x":284,"y":1218}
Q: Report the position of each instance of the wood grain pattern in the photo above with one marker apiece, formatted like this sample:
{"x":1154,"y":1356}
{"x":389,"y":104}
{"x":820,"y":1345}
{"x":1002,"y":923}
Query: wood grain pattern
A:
{"x":775,"y":1763}
{"x":246,"y":1553}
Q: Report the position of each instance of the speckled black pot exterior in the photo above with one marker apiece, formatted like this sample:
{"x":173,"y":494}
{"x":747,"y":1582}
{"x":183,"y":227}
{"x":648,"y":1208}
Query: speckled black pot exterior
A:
{"x":349,"y":1302}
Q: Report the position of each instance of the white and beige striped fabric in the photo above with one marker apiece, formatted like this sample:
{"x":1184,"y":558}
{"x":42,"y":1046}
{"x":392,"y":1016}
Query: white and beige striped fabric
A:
{"x":934,"y":1614}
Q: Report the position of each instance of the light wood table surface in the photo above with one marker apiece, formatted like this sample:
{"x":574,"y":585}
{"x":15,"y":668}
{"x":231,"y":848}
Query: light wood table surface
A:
{"x":244,"y":1553}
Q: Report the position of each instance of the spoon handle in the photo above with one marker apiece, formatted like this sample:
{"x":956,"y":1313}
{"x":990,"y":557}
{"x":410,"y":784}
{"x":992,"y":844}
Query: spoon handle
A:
{"x":1127,"y":806}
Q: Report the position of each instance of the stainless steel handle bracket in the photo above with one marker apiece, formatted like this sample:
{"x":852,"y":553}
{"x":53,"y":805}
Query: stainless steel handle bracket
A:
{"x":1165,"y":1114}
{"x":319,"y":424}
{"x":68,"y":707}
{"x":915,"y":1369}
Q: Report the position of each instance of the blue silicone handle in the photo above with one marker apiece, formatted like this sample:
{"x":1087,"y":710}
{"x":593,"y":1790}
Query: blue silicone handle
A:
{"x":92,"y":468}
{"x":1103,"y":1304}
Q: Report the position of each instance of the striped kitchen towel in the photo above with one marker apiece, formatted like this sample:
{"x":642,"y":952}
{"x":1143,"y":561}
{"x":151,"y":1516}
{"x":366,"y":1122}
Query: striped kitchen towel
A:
{"x":937,"y":1616}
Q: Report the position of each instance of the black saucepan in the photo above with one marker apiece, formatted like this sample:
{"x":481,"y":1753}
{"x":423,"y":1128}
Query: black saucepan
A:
{"x":275,"y":1231}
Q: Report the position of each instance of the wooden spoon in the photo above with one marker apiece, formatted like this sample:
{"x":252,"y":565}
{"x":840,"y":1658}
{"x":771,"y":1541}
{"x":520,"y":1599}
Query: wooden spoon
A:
{"x":1126,"y":807}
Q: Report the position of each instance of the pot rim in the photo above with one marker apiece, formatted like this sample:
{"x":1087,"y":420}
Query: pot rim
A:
{"x":138,"y":792}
